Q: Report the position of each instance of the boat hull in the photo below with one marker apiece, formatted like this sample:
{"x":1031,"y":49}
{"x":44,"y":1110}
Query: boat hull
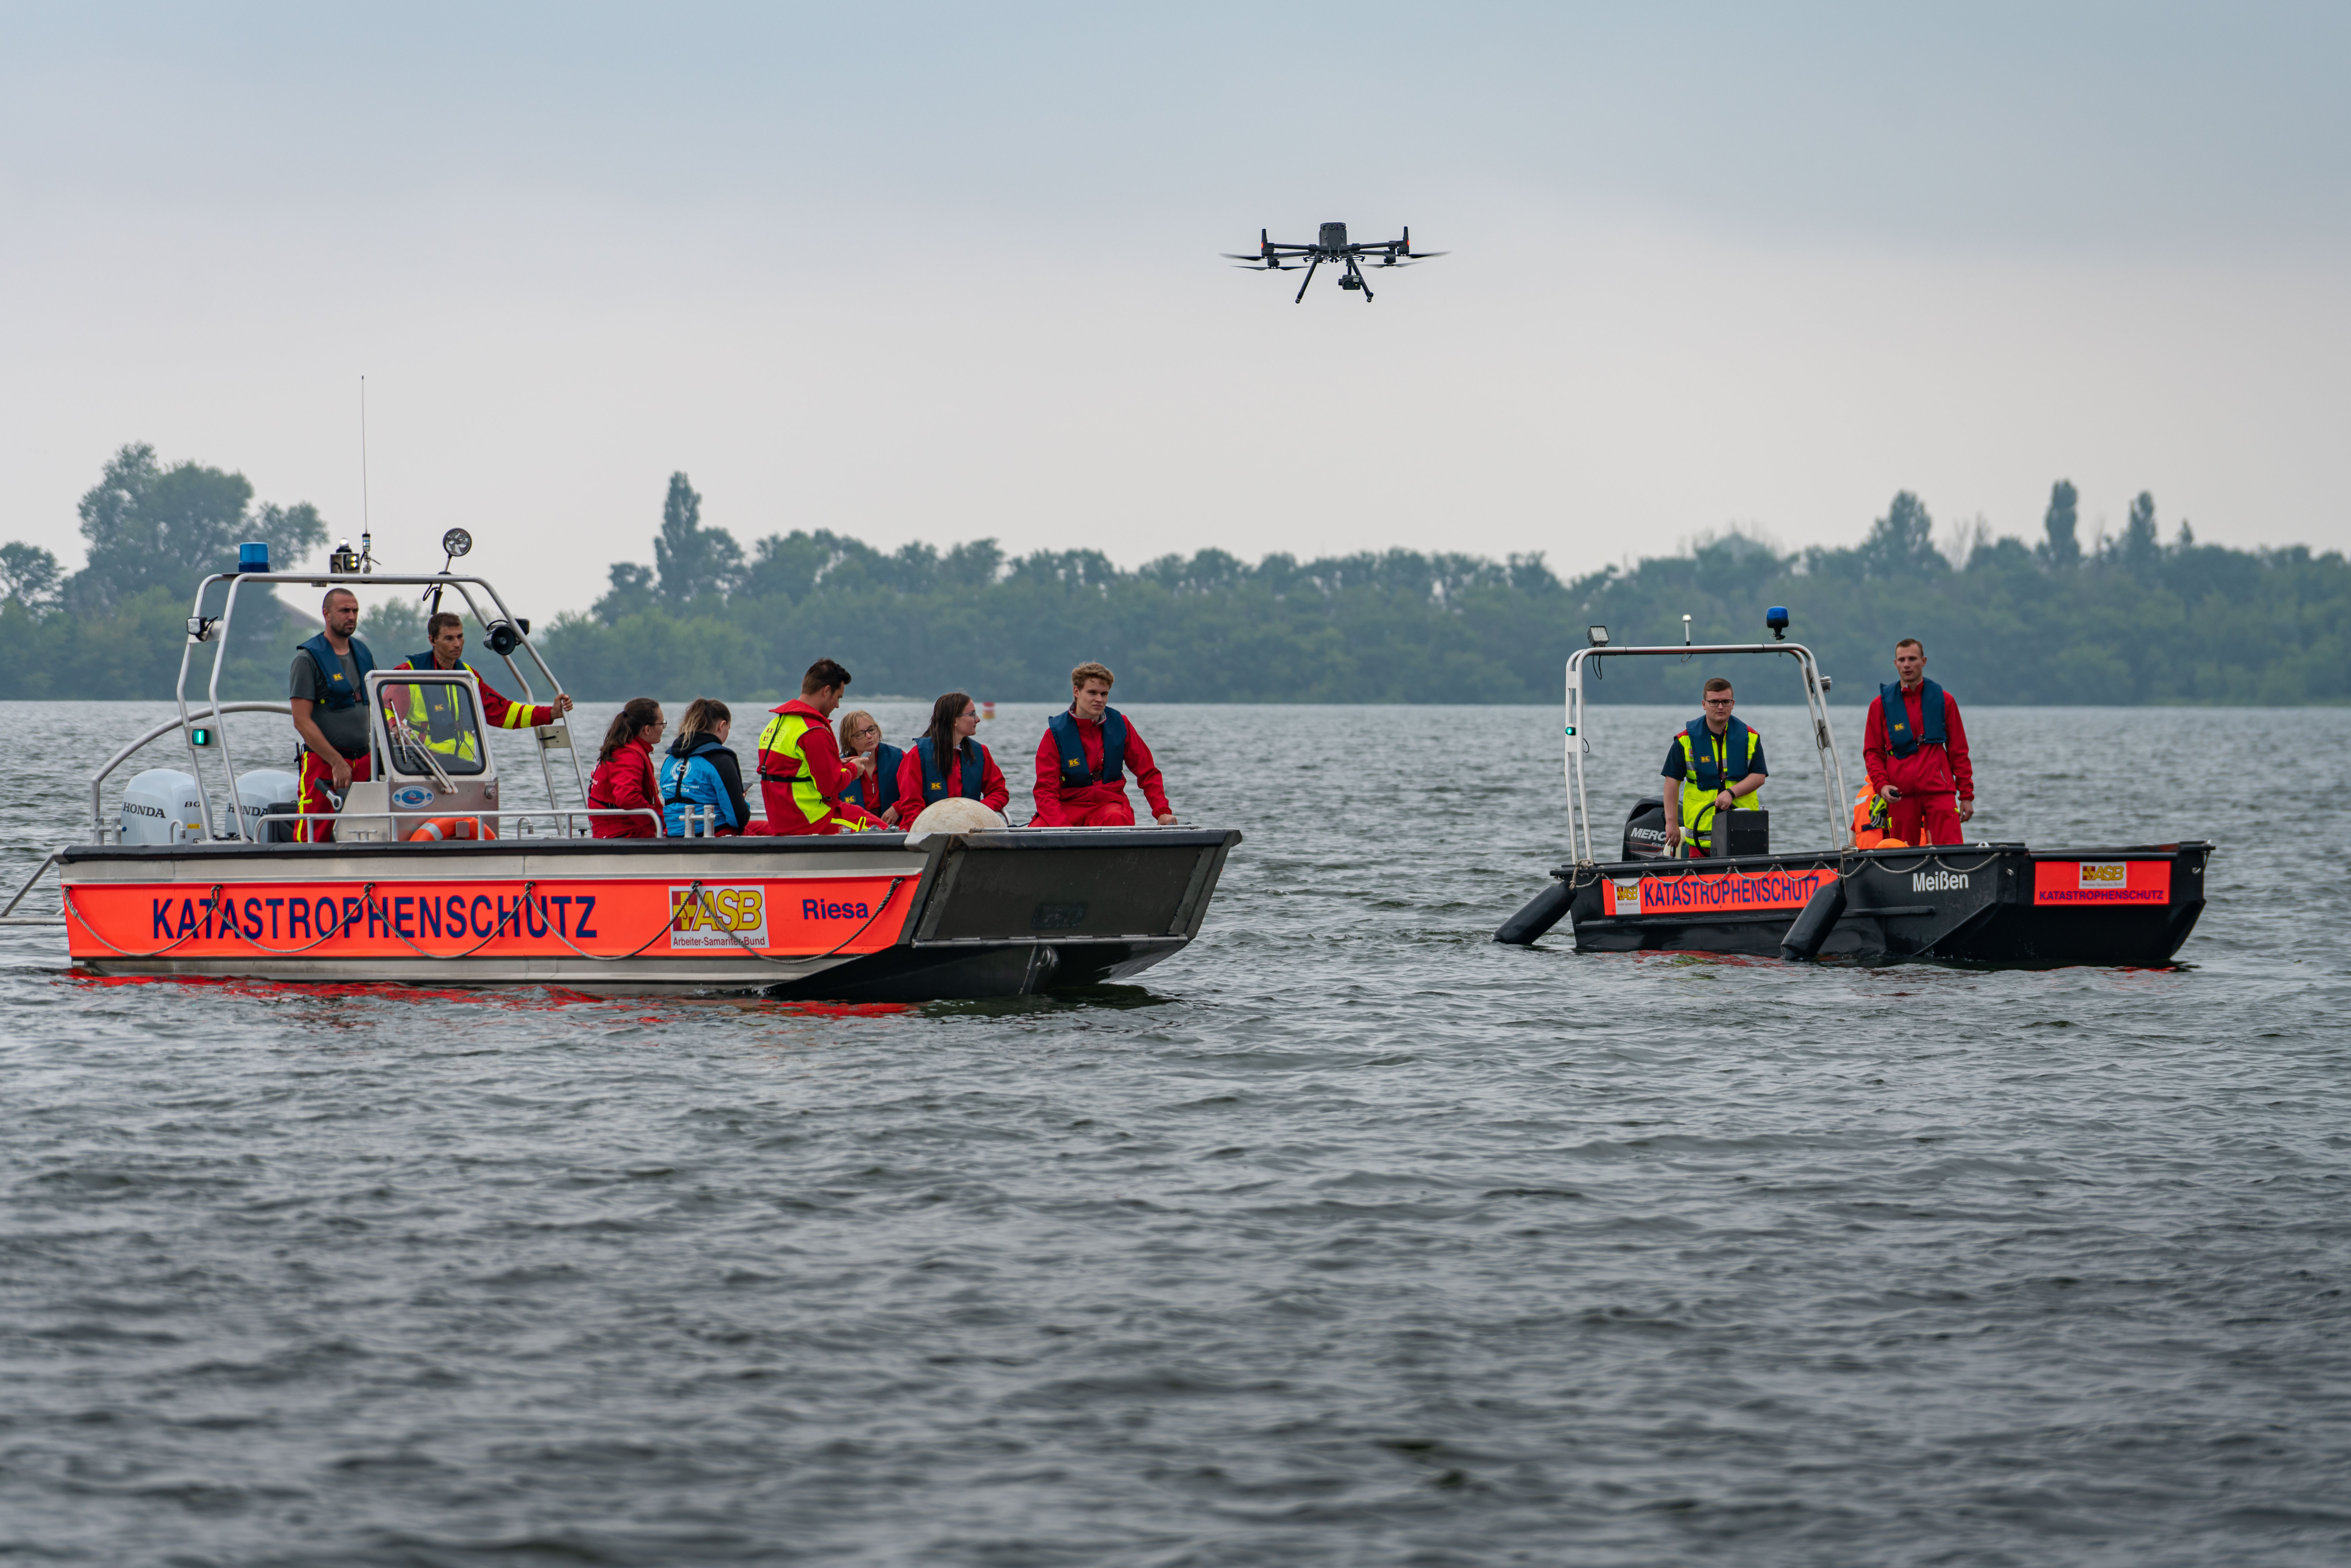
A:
{"x":869,"y":917}
{"x":1983,"y":904}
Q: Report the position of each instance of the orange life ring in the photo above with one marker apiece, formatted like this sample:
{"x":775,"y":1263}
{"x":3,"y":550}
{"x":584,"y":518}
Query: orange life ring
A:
{"x":441,"y":827}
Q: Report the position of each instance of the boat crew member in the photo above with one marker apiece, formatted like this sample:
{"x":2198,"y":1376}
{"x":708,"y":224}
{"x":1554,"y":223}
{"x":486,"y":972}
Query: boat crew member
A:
{"x":1715,"y":765}
{"x":701,"y":772}
{"x":623,"y":782}
{"x":328,"y":691}
{"x":801,"y":774}
{"x":861,"y":735}
{"x":1085,"y":757}
{"x":947,"y":762}
{"x":1918,"y":754}
{"x":433,"y":711}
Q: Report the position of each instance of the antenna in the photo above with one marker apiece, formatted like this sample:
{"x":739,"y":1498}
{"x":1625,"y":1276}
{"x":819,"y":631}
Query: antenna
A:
{"x":367,"y":534}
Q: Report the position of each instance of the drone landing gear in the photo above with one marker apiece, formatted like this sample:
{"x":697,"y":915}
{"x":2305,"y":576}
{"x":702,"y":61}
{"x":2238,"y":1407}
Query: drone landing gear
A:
{"x":1310,"y":265}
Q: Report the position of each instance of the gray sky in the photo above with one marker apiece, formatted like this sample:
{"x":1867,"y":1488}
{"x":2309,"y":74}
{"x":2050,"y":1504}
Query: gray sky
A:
{"x":934,"y":272}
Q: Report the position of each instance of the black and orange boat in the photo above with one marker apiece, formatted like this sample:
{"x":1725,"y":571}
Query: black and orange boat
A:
{"x":1982,"y":902}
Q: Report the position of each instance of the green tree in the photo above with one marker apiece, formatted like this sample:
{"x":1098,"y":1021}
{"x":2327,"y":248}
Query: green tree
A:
{"x":632,"y":593}
{"x":2062,"y":525}
{"x":28,"y":575}
{"x":1902,"y":542}
{"x":693,"y":562}
{"x":153,"y":527}
{"x":2140,"y":547}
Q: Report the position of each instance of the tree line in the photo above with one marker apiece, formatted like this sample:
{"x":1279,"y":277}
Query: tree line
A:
{"x":2131,"y":619}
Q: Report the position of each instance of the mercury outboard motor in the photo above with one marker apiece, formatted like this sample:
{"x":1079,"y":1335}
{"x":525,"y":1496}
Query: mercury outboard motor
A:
{"x":1644,"y":829}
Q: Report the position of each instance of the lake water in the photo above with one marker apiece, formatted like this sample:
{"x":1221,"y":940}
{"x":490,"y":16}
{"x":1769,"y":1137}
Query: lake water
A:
{"x":1346,"y":1238}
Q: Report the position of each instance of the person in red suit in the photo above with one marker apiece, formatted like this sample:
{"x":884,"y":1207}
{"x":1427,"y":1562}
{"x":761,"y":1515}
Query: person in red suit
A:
{"x":624,"y":778}
{"x":801,"y":774}
{"x":446,"y":633}
{"x":1085,"y":757}
{"x":1918,"y":754}
{"x":970,"y":770}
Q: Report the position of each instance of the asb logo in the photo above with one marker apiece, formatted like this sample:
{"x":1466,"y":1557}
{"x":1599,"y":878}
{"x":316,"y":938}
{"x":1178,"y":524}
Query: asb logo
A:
{"x":1627,"y":896}
{"x":717,"y":917}
{"x":2102,"y":881}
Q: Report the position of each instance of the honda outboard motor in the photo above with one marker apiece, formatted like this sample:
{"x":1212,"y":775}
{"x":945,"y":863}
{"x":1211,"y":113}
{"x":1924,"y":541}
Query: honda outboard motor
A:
{"x":263,"y":792}
{"x":1644,"y":829}
{"x":163,"y":806}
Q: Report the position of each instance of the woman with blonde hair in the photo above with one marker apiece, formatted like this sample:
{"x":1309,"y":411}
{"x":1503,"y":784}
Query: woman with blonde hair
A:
{"x":879,"y":792}
{"x":702,"y":771}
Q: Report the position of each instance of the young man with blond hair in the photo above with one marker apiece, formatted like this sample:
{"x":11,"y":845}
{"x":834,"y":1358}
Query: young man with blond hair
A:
{"x":1084,"y":759}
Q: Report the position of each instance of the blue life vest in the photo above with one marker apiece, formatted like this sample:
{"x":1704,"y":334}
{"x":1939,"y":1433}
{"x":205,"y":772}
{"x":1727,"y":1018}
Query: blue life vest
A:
{"x":1931,"y":732}
{"x":693,"y":781}
{"x":338,"y":691}
{"x":1075,"y":774}
{"x":935,"y":782}
{"x":880,"y":792}
{"x":1706,"y":769}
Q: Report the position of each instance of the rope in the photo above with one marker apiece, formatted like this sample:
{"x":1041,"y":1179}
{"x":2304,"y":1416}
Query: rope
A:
{"x":211,"y":905}
{"x":836,"y":947}
{"x":367,"y":898}
{"x":340,"y":926}
{"x":668,"y":926}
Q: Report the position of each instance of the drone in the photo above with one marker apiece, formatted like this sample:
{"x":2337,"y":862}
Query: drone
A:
{"x":1331,"y":246}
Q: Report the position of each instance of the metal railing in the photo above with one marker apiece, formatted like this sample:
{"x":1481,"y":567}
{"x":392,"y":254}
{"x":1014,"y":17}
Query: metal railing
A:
{"x":566,"y":814}
{"x":98,"y":780}
{"x":8,"y":915}
{"x":1816,"y":705}
{"x":216,"y":630}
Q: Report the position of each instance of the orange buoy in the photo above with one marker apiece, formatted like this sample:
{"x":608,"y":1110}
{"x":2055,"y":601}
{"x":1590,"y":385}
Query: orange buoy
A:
{"x":441,"y":827}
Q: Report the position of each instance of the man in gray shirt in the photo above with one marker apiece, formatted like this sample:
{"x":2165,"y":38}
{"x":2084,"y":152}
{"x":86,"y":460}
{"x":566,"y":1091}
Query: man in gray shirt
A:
{"x":327,"y":689}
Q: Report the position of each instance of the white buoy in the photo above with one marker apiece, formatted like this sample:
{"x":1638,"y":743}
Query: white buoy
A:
{"x":955,"y":815}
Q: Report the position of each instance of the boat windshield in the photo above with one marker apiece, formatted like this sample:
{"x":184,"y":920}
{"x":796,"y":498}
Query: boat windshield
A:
{"x":437,"y":715}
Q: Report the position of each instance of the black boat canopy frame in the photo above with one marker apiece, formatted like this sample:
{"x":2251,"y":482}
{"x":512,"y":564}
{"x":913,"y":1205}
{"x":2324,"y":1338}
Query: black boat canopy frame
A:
{"x":1816,"y":703}
{"x":205,"y":628}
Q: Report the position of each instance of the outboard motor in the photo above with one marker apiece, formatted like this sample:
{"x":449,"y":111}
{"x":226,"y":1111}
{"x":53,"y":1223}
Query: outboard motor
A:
{"x":267,"y":791}
{"x":1644,"y":829}
{"x":163,"y":806}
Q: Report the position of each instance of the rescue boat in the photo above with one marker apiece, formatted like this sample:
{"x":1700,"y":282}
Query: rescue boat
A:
{"x":424,"y":877}
{"x":1979,"y":903}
